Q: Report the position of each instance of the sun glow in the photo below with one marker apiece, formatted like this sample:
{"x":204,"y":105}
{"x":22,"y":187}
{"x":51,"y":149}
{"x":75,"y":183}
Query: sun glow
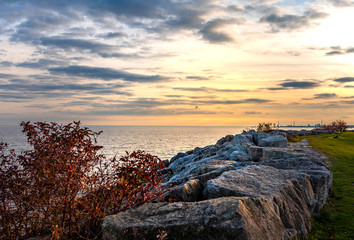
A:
{"x":335,"y":30}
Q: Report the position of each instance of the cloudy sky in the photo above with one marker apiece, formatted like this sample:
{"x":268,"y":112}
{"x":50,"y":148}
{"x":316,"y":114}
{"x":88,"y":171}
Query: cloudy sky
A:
{"x":177,"y":62}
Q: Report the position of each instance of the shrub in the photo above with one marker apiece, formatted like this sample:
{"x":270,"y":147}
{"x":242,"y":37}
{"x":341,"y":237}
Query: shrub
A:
{"x":337,"y":125}
{"x":64,"y":187}
{"x":265,"y":127}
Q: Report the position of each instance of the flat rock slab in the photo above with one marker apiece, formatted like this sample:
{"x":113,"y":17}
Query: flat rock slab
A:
{"x":222,"y":218}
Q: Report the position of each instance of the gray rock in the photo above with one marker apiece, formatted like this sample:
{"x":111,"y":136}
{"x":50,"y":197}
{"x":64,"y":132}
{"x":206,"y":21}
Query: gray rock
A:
{"x":235,"y":189}
{"x":222,"y":218}
{"x":262,"y":182}
{"x":255,"y":153}
{"x":227,"y":138}
{"x":187,"y":192}
{"x":278,"y":141}
{"x":275,"y":153}
{"x":258,"y":136}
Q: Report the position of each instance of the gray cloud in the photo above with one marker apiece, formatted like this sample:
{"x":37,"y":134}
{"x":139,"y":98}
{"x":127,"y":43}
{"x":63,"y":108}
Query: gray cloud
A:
{"x":6,"y":64}
{"x":343,"y":3}
{"x":111,"y":35}
{"x":252,"y":113}
{"x":149,"y":112}
{"x":296,"y":84}
{"x":322,"y":96}
{"x":4,"y":75}
{"x":104,"y":50}
{"x":41,"y":63}
{"x":211,"y":30}
{"x":198,"y":78}
{"x":340,"y":51}
{"x":70,"y":44}
{"x":209,"y":90}
{"x":344,"y":79}
{"x":43,"y":87}
{"x":22,"y":89}
{"x":292,"y":22}
{"x":235,"y":8}
{"x":325,"y":95}
{"x":105,"y":74}
{"x":41,"y":21}
{"x":331,"y":53}
{"x":233,"y":102}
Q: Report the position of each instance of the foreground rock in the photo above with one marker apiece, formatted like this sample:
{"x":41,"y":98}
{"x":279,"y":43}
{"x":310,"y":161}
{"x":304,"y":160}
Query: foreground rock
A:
{"x":249,"y":186}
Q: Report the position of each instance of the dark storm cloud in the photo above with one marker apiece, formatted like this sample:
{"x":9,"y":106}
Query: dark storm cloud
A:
{"x":295,"y":84}
{"x":344,"y":79}
{"x":105,"y":74}
{"x":292,"y":22}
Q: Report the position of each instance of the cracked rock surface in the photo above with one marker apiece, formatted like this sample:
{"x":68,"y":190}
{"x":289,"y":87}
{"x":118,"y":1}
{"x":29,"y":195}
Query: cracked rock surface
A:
{"x":253,"y":185}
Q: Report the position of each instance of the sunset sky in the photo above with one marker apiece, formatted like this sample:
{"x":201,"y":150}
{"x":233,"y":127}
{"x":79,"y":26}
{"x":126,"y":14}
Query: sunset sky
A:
{"x":177,"y":62}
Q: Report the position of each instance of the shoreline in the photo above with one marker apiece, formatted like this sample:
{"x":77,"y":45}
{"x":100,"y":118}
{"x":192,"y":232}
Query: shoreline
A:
{"x":254,"y":178}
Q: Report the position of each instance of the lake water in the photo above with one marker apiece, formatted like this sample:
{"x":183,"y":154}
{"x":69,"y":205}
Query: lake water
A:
{"x":162,"y":141}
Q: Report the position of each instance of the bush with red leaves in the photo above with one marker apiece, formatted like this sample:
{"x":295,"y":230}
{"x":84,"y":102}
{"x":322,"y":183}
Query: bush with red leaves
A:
{"x":338,"y":125}
{"x":63,"y":187}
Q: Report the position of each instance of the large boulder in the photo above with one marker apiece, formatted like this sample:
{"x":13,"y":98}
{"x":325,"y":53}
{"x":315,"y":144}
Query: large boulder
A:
{"x":264,"y":182}
{"x":278,"y":141}
{"x":221,"y":218}
{"x":250,"y":186}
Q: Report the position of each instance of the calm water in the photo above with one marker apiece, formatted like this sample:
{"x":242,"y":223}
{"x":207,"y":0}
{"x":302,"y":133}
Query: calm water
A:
{"x":163,"y":141}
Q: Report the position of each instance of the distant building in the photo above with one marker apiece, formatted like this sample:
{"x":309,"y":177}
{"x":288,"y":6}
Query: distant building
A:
{"x":317,"y":125}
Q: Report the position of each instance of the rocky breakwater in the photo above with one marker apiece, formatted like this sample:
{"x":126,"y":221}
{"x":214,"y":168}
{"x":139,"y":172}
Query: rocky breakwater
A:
{"x":253,"y":185}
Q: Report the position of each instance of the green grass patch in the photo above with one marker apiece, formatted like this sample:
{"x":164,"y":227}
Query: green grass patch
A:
{"x":296,"y":138}
{"x":336,"y":219}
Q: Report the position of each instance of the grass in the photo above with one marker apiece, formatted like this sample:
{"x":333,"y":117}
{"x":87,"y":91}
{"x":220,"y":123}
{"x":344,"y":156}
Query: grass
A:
{"x":336,"y":219}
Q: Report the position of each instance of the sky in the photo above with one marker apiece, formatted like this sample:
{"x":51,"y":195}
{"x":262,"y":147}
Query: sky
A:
{"x":177,"y":62}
